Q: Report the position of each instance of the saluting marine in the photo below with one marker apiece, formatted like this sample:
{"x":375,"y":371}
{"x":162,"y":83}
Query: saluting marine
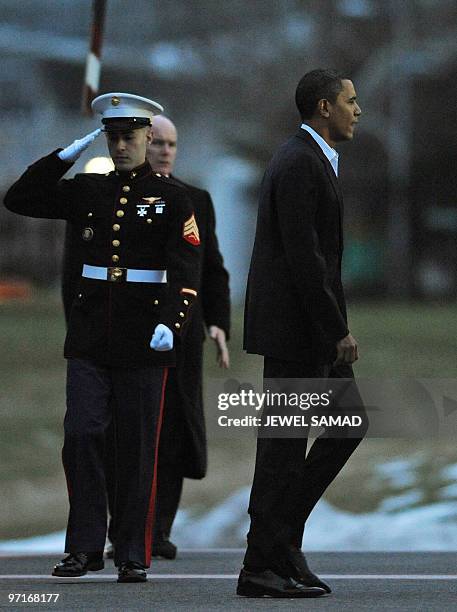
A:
{"x":138,"y":282}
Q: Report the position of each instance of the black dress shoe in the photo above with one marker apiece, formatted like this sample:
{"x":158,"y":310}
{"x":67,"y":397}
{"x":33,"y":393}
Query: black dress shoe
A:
{"x":162,"y":547}
{"x":300,"y":571}
{"x":268,"y":584}
{"x":130,"y":571}
{"x":78,"y":564}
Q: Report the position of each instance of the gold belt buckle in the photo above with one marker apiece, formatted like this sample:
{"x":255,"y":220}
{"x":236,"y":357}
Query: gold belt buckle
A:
{"x":116,"y":275}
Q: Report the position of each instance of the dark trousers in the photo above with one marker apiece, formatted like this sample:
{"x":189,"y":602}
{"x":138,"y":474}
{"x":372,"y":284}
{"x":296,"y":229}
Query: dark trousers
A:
{"x":169,"y":489}
{"x":287,"y":482}
{"x":131,"y":398}
{"x":174,"y":438}
{"x":170,"y":464}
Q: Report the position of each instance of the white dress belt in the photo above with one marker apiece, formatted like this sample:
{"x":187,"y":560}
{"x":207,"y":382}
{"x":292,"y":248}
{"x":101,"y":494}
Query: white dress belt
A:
{"x":128,"y":274}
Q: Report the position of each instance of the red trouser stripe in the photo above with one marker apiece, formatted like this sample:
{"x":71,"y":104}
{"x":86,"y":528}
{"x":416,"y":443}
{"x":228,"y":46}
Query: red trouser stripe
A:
{"x":152,"y":498}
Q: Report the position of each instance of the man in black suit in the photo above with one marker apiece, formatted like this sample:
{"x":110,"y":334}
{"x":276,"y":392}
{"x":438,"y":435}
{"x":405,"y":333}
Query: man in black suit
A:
{"x":296,"y":317}
{"x":183,"y":449}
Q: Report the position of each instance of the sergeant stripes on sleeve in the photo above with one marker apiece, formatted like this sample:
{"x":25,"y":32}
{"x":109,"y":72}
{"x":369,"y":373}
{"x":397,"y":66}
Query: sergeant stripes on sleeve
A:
{"x":190,"y":231}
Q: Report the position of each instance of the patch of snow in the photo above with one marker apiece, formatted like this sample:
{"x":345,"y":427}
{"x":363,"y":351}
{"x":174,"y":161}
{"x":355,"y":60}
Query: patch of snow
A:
{"x":403,"y":500}
{"x":427,"y":528}
{"x":400,"y":472}
{"x":450,"y":472}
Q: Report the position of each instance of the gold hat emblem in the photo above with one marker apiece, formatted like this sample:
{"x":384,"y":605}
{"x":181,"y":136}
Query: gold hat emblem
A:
{"x":115,"y":101}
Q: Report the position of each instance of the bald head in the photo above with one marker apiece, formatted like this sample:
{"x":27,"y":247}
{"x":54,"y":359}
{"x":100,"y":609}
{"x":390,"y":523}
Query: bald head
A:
{"x":161,"y":152}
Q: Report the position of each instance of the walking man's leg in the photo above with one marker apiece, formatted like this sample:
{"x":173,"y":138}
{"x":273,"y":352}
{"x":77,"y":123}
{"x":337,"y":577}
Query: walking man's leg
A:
{"x":139,"y":400}
{"x":87,"y":418}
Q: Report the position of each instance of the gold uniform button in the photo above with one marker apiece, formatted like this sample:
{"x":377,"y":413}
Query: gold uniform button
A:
{"x":125,"y":188}
{"x":116,"y":243}
{"x":123,"y":200}
{"x":158,"y":174}
{"x":133,"y":175}
{"x":80,"y":295}
{"x":186,"y":302}
{"x":156,"y":302}
{"x":182,"y":315}
{"x":177,"y":325}
{"x":120,"y":213}
{"x":115,"y":258}
{"x":89,"y":214}
{"x":116,"y":227}
{"x":149,"y":221}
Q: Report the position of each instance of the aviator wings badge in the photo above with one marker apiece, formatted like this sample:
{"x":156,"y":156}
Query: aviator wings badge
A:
{"x":158,"y":202}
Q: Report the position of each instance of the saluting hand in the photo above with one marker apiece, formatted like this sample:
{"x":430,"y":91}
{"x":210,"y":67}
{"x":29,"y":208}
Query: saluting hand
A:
{"x":346,"y":350}
{"x":218,"y":335}
{"x":72,"y":152}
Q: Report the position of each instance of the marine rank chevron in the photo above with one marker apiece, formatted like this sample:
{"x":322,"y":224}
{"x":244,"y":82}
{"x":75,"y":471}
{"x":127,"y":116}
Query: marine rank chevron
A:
{"x":190,"y":231}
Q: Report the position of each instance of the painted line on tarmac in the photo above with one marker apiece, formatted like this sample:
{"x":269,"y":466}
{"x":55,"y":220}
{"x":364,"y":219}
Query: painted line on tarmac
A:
{"x":229,"y":577}
{"x":213,"y":550}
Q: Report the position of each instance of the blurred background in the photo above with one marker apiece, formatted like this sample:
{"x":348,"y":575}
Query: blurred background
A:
{"x":226,"y":74}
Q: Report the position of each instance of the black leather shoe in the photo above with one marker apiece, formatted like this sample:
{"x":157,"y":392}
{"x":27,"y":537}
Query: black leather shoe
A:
{"x":78,"y":564}
{"x":268,"y":584}
{"x":300,"y":571}
{"x":130,"y":571}
{"x":162,"y":547}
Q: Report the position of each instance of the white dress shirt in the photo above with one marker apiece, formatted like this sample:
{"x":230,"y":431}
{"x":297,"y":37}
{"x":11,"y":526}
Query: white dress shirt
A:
{"x":329,"y":153}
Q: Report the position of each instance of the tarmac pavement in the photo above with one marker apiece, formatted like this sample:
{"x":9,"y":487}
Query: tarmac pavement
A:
{"x":206,"y":580}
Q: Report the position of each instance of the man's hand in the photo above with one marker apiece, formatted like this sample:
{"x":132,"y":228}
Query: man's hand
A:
{"x":71,"y":153}
{"x":218,"y":335}
{"x":346,"y":350}
{"x":162,"y":339}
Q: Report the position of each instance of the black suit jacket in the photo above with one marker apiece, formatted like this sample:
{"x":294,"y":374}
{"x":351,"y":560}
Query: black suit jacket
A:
{"x":295,"y":307}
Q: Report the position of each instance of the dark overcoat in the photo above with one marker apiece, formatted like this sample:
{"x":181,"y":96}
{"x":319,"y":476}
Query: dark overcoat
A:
{"x":295,"y":306}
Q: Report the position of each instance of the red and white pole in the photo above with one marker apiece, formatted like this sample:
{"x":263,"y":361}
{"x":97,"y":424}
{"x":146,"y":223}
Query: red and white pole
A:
{"x":93,"y":62}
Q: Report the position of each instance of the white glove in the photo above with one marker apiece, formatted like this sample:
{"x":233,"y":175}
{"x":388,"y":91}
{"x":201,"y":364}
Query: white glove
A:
{"x":72,"y":152}
{"x":162,"y":338}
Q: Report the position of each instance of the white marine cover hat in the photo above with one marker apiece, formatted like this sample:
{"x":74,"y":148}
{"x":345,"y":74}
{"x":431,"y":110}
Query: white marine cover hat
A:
{"x":124,"y":111}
